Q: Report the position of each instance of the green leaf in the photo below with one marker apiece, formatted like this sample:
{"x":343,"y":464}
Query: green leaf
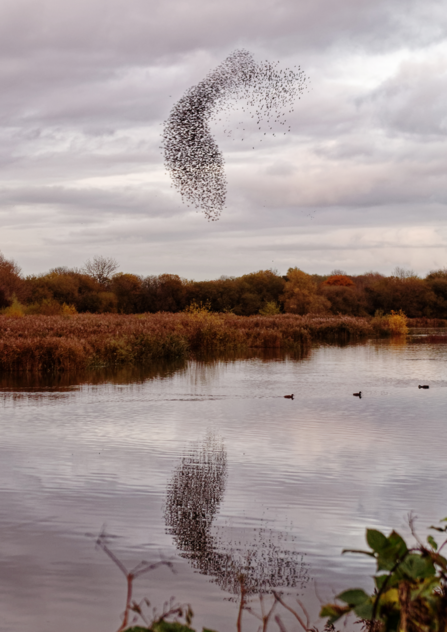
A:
{"x":390,"y":555}
{"x":353,"y":597}
{"x":441,"y":561}
{"x":432,"y":542}
{"x":333,"y":611}
{"x":137,"y":628}
{"x":376,"y":540}
{"x":426,"y":589}
{"x":386,"y":562}
{"x":207,"y":630}
{"x":417,"y":567}
{"x":364,"y":610}
{"x":437,"y":529}
{"x":397,"y":543}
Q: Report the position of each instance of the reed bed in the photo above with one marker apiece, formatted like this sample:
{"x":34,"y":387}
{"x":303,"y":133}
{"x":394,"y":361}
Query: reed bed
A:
{"x":39,"y":344}
{"x":428,"y":323}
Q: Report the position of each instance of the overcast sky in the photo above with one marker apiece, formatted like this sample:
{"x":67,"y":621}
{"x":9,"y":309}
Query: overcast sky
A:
{"x":359,"y":184}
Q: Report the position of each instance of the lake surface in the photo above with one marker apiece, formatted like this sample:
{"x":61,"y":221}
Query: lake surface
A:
{"x":206,"y":464}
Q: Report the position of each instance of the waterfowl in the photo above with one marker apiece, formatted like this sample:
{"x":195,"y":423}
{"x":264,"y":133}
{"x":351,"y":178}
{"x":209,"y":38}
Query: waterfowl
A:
{"x":359,"y":394}
{"x":288,"y":396}
{"x":424,"y":386}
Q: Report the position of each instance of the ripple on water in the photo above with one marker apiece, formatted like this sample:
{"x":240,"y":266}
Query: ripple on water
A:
{"x":208,"y":463}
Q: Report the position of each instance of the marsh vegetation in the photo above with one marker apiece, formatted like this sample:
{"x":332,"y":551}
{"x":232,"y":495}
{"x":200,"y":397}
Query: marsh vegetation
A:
{"x":75,"y":342}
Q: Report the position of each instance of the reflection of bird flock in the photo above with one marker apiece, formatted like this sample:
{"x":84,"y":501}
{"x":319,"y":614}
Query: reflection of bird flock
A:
{"x":192,"y":157}
{"x":265,"y":558}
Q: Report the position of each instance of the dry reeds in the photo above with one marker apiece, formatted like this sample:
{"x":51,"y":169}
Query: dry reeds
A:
{"x":427,"y":322}
{"x":40,"y":344}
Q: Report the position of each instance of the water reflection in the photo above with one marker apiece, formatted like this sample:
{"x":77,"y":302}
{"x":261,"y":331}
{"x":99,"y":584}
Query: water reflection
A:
{"x":194,"y":495}
{"x":103,"y":375}
{"x":139,"y":374}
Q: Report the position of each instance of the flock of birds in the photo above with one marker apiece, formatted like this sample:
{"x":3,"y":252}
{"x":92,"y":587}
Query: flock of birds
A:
{"x":359,"y":394}
{"x":192,"y":156}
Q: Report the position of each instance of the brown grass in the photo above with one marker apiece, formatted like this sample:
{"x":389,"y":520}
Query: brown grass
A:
{"x":39,"y":344}
{"x":427,"y":322}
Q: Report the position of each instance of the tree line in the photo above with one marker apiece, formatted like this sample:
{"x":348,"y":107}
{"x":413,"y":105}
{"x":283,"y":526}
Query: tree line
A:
{"x":99,"y":288}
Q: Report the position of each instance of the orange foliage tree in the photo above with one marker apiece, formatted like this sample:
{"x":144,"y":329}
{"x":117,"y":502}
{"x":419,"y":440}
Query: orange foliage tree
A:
{"x":339,"y":279}
{"x":300,"y":294}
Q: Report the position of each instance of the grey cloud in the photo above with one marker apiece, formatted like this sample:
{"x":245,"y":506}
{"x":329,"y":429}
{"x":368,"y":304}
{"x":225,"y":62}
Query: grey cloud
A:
{"x":72,"y":61}
{"x":86,"y":86}
{"x":413,"y":101}
{"x":84,"y":201}
{"x":135,"y":30}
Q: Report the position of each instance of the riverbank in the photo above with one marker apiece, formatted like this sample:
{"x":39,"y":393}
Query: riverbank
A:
{"x":41,"y":344}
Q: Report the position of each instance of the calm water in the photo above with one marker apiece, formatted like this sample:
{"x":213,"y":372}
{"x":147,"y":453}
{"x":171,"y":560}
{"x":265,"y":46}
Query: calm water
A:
{"x":208,"y":465}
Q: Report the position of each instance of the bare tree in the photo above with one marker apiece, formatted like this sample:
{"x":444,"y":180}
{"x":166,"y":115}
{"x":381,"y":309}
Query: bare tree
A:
{"x":402,"y":274}
{"x":336,"y":272}
{"x":101,"y":268}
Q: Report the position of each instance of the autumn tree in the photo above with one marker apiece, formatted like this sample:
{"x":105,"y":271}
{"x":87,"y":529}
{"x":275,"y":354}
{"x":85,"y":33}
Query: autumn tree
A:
{"x":11,"y":281}
{"x":300,"y":294}
{"x":437,"y":282}
{"x":163,"y":293}
{"x":344,"y":299}
{"x":343,"y":294}
{"x":127,"y":289}
{"x":410,"y":294}
{"x":339,"y":280}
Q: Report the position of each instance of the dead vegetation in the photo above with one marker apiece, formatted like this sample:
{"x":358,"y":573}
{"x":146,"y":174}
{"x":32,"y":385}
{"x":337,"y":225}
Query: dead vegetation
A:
{"x":38,"y":344}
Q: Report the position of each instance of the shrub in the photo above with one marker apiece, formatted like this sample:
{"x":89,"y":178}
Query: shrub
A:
{"x":46,"y":307}
{"x":15,"y":309}
{"x":411,"y":587}
{"x":398,"y":323}
{"x":68,"y":310}
{"x":271,"y":308}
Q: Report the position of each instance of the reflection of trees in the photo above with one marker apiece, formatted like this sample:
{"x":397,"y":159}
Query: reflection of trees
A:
{"x":263,"y":556}
{"x":101,"y":375}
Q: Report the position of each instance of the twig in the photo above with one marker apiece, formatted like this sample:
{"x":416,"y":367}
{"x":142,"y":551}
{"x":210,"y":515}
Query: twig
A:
{"x":411,"y":520}
{"x":295,"y":614}
{"x":280,"y":624}
{"x":241,"y":605}
{"x":140,"y":569}
{"x":305,"y":612}
{"x":266,"y":619}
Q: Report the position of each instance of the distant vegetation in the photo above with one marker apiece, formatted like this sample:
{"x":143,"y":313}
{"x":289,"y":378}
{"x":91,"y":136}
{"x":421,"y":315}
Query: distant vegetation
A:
{"x":98,"y":288}
{"x":40,"y":344}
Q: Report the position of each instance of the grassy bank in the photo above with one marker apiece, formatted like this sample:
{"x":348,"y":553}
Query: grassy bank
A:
{"x":40,"y":344}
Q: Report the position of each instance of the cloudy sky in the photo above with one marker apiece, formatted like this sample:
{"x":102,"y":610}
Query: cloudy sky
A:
{"x":359,"y":184}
